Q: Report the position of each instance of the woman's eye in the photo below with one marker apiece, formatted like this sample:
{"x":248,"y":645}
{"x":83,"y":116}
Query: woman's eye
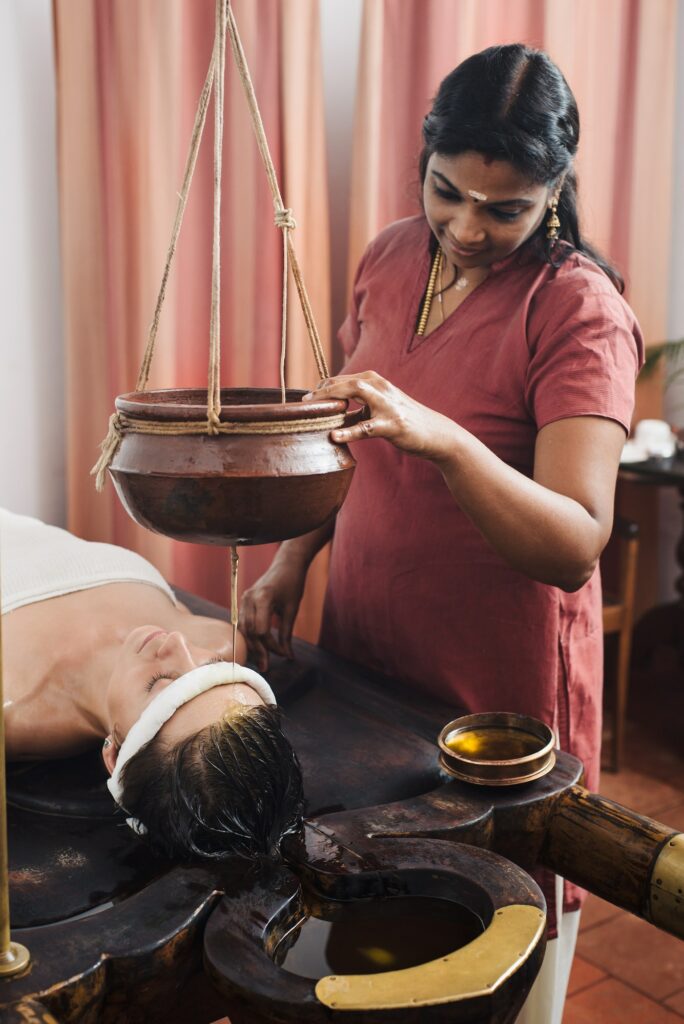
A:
{"x":153,"y":680}
{"x":504,"y":214}
{"x":452,"y":197}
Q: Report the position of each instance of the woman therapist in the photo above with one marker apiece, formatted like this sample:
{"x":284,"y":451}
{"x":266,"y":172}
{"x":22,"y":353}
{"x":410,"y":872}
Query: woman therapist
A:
{"x":497,"y":361}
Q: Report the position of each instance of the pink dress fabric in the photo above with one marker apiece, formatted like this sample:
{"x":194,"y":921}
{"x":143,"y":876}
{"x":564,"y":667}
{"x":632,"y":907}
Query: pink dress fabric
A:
{"x":415,"y":591}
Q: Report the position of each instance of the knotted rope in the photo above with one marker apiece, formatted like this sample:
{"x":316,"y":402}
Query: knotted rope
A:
{"x":284,"y":220}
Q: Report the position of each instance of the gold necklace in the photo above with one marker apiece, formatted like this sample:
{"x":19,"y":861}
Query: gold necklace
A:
{"x":460,"y":284}
{"x":435,"y":271}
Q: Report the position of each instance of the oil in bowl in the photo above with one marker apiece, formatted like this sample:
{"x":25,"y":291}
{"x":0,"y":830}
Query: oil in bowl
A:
{"x":493,"y":743}
{"x":496,"y":748}
{"x":373,"y":936}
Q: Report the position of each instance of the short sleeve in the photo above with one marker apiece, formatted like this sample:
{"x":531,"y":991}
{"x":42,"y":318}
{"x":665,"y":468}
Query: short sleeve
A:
{"x":586,"y":349}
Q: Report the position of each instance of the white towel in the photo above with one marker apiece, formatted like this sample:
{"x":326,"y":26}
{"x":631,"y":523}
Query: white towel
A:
{"x":38,"y":562}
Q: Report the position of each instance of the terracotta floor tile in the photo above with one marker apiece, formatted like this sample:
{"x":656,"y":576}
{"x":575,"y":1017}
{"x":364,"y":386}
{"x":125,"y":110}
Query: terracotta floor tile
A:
{"x":663,"y":762}
{"x":611,"y":1002}
{"x":596,"y":911}
{"x":635,"y":952}
{"x":676,"y":1002}
{"x":641,"y":793}
{"x":674,"y":816}
{"x":583,"y":975}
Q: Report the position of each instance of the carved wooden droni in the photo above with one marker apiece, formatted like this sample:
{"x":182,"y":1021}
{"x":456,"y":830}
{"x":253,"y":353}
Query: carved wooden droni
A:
{"x":115,"y":933}
{"x":276,"y":474}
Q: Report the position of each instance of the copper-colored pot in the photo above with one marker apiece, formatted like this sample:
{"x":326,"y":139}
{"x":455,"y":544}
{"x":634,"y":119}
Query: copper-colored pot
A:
{"x":231,"y":488}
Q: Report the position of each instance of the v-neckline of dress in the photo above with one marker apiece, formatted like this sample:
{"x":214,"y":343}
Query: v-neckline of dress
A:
{"x":415,"y":342}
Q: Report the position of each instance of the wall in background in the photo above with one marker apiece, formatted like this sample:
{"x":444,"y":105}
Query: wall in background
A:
{"x":31,"y":350}
{"x":340,"y":34}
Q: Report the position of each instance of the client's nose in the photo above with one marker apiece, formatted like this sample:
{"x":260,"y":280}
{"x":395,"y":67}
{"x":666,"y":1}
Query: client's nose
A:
{"x":174,"y":648}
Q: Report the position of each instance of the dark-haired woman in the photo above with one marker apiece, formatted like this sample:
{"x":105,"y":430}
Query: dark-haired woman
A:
{"x":97,"y":650}
{"x":497,"y":359}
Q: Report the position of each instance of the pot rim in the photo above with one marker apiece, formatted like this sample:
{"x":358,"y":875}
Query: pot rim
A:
{"x":190,"y":405}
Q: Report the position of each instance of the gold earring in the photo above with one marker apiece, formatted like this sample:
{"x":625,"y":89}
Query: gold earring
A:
{"x":553,"y":222}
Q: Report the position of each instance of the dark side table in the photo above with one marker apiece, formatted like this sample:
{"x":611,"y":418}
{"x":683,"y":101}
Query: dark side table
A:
{"x":663,"y":624}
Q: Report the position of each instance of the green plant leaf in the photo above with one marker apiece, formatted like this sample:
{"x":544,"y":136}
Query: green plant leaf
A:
{"x":671,"y":350}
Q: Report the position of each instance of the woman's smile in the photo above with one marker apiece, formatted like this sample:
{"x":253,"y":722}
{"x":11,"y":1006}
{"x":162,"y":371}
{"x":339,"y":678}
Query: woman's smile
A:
{"x":462,"y":250}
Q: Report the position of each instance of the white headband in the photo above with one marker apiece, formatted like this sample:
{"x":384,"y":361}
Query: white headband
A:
{"x":172,"y":697}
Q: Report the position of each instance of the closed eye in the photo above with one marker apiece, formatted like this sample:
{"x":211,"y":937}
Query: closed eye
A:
{"x":176,"y":675}
{"x":453,"y":197}
{"x":504,"y":214}
{"x":158,"y":676}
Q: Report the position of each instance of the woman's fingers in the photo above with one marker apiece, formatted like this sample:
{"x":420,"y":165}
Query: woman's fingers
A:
{"x":371,"y":390}
{"x":376,"y":426}
{"x":285,"y":630}
{"x":256,"y":650}
{"x":364,"y":387}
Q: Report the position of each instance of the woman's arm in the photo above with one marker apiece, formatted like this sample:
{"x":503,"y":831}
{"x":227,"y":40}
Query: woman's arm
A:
{"x":275,"y":597}
{"x":552,"y":527}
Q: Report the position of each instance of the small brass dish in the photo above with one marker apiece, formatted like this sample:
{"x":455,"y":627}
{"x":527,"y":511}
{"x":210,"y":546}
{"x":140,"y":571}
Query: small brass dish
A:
{"x":496,"y":748}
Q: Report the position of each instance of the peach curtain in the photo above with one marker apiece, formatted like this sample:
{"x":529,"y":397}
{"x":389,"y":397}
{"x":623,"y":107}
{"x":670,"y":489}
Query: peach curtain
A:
{"x":619,"y":58}
{"x":129,"y":77}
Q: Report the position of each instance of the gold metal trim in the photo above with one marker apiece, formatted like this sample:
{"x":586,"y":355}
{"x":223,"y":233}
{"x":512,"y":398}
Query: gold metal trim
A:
{"x":666,"y":903}
{"x":14,"y":960}
{"x":515,"y":780}
{"x":477,"y":969}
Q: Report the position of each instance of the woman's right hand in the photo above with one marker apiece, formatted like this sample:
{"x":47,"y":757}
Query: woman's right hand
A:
{"x":273,"y":600}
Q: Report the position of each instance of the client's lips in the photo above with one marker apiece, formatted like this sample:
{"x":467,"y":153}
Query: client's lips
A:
{"x":150,"y":636}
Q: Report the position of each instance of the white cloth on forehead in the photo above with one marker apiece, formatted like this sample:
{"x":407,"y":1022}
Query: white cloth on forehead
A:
{"x":172,"y":697}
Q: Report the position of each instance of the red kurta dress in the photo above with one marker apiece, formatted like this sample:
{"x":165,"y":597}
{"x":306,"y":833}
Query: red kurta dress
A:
{"x":415,"y":591}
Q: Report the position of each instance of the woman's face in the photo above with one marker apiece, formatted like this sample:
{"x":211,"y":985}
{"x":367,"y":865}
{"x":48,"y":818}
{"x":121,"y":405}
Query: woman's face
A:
{"x":149,"y":660}
{"x":480,"y":209}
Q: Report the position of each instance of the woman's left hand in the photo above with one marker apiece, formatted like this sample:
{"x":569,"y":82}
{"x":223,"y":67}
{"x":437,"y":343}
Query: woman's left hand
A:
{"x":410,"y":426}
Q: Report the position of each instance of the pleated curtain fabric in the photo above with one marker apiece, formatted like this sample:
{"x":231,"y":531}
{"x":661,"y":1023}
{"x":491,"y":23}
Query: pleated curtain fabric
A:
{"x":129,"y":76}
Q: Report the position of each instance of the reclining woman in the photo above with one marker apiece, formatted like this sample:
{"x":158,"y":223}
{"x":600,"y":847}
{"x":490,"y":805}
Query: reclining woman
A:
{"x":97,"y":649}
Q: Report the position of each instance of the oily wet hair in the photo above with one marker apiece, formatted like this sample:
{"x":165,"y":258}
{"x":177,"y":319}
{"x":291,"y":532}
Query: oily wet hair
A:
{"x":232,"y":789}
{"x":513,"y":103}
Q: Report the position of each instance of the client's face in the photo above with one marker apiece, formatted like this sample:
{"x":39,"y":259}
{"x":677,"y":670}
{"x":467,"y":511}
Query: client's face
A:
{"x":149,"y":660}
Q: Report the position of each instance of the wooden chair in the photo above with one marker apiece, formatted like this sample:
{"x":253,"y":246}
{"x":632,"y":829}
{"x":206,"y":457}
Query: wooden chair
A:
{"x":618,"y":617}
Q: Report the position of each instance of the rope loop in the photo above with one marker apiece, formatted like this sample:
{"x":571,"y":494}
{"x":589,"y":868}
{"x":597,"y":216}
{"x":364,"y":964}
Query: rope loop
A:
{"x":108,"y":450}
{"x":213,"y":422}
{"x":284,"y":218}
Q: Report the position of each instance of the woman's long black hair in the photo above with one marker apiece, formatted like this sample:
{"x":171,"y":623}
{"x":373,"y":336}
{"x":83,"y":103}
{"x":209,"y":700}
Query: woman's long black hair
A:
{"x":512,"y":103}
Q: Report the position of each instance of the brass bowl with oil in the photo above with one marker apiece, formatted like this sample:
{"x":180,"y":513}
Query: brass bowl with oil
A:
{"x":496,"y":748}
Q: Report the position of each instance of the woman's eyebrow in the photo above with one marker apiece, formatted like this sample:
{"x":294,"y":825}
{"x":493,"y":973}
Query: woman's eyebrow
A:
{"x":491,"y":202}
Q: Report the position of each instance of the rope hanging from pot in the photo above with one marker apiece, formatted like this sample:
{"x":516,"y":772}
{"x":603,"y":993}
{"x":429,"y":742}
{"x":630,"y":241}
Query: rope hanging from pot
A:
{"x":214,"y":83}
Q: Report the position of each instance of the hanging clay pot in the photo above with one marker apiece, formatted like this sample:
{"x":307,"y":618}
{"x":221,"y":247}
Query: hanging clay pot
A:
{"x":281,"y":478}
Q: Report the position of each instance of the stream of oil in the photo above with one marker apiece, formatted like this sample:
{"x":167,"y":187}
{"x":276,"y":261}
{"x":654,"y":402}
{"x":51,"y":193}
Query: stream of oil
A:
{"x":372,"y":936}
